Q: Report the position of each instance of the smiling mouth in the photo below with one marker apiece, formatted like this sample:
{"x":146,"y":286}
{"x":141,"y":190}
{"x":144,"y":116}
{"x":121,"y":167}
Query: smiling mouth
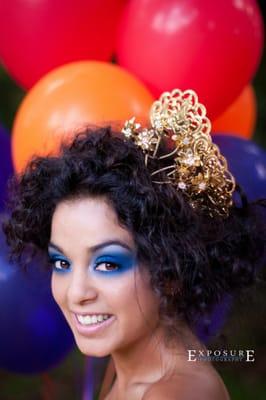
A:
{"x":91,"y":320}
{"x":93,"y":327}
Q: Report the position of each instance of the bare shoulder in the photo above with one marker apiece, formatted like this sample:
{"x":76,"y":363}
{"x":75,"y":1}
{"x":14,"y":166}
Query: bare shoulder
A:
{"x":207,"y":386}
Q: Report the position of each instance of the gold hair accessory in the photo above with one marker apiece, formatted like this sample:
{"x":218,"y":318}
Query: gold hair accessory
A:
{"x":199,"y":170}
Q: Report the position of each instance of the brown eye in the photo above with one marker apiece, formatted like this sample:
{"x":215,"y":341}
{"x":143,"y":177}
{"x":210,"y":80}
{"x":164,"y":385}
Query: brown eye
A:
{"x":59,"y":265}
{"x":109,"y":266}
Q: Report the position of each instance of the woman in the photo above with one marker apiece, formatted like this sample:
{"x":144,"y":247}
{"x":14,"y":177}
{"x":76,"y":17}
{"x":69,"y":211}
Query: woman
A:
{"x":137,"y":262}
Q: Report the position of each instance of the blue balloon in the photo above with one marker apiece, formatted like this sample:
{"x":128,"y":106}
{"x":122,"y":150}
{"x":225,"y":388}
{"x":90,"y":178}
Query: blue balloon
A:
{"x":247,"y":162}
{"x":6,"y":166}
{"x":33,"y":331}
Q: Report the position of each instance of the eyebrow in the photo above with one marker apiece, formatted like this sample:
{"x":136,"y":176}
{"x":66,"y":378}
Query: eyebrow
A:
{"x":92,"y":249}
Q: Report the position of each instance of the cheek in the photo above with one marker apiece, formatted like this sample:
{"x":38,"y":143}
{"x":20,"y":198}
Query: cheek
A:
{"x":147,"y":298}
{"x":57,"y":289}
{"x":138,"y":308}
{"x":119,"y":295}
{"x":132,"y":297}
{"x":118,"y":290}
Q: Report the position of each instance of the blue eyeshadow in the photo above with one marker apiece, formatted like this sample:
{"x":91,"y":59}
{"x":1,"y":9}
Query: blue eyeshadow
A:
{"x":123,"y":259}
{"x":53,"y":257}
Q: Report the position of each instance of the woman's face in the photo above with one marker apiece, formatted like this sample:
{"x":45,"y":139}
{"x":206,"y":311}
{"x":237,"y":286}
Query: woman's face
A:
{"x":95,"y":272}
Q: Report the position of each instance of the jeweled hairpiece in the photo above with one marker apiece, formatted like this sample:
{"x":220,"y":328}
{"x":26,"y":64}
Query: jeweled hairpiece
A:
{"x":199,"y":170}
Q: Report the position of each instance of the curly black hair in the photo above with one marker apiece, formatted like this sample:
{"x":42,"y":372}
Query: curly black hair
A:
{"x":200,"y":258}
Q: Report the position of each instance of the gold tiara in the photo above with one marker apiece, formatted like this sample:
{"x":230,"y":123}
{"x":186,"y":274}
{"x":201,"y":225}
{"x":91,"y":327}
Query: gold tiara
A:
{"x":199,"y":170}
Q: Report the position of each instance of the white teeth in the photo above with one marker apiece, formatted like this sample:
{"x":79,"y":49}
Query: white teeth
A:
{"x":92,"y":319}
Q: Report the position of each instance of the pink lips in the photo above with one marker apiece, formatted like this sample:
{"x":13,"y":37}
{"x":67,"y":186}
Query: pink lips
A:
{"x":92,"y":329}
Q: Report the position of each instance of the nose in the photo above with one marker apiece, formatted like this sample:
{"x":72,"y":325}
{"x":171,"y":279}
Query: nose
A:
{"x":81,"y":288}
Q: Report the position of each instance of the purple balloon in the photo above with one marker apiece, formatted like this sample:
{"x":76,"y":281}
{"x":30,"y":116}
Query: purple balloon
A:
{"x":33,"y":331}
{"x":247,"y":162}
{"x":6,"y":166}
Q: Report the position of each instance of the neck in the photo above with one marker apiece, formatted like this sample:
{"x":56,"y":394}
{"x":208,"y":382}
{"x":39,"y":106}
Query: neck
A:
{"x":149,"y":359}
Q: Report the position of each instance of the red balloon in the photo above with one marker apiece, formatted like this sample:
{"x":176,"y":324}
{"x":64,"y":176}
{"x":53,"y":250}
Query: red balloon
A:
{"x":37,"y":36}
{"x":211,"y":47}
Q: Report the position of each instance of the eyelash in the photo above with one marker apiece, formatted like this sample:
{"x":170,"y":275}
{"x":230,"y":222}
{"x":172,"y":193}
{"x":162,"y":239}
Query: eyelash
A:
{"x":106,"y":262}
{"x":53,"y":261}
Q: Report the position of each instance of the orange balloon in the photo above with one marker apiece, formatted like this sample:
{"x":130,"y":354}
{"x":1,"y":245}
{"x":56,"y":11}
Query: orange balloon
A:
{"x":71,"y":97}
{"x":240,"y":118}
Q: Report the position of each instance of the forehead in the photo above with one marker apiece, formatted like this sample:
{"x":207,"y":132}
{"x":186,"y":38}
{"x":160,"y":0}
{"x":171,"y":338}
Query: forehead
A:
{"x":87,"y":219}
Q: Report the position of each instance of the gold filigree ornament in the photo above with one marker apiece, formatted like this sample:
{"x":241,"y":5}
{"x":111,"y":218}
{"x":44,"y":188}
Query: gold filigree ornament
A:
{"x":199,"y":170}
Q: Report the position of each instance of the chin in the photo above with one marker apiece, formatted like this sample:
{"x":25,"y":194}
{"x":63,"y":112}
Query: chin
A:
{"x":93,"y":347}
{"x":93,"y":351}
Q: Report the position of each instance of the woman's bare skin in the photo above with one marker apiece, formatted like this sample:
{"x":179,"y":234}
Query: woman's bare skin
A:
{"x":184,"y":380}
{"x":147,"y":364}
{"x":202,"y":384}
